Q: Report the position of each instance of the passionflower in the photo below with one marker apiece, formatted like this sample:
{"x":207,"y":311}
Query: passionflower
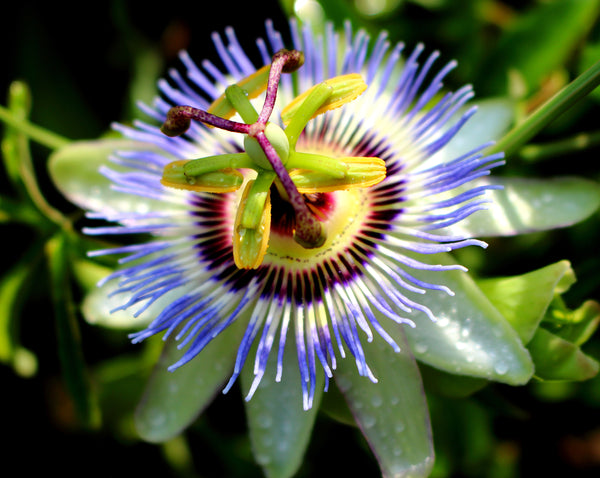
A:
{"x":295,"y":217}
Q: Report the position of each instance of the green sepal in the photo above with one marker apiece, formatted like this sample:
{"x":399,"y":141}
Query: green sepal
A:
{"x":278,"y":425}
{"x":529,"y":205}
{"x":173,"y":400}
{"x":470,"y":337}
{"x":392,"y":413}
{"x":75,"y":170}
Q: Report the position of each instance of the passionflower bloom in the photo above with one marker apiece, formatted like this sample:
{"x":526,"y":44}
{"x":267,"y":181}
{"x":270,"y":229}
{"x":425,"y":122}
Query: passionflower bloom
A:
{"x":354,"y":154}
{"x":295,"y":217}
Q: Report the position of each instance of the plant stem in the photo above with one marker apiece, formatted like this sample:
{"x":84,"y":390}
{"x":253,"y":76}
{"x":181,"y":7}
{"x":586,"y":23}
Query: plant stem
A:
{"x":33,"y":132}
{"x":579,"y":142}
{"x":548,"y":112}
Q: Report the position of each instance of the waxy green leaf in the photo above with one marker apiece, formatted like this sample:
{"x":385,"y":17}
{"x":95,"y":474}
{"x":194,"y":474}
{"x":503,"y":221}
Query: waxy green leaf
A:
{"x":392,"y":414}
{"x":557,"y":359}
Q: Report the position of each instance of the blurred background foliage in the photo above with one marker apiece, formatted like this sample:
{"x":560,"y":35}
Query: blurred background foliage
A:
{"x":69,"y":388}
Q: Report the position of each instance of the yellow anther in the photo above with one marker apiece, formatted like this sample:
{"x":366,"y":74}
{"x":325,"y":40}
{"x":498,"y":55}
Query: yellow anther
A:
{"x":252,"y":85}
{"x":250,"y":245}
{"x":362,"y":173}
{"x":346,"y":88}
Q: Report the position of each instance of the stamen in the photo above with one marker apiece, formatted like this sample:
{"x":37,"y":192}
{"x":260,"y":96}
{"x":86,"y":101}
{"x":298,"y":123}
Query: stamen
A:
{"x":268,"y":149}
{"x":361,"y":173}
{"x":252,"y":226}
{"x":345,"y":88}
{"x":252,"y":86}
{"x":218,"y":181}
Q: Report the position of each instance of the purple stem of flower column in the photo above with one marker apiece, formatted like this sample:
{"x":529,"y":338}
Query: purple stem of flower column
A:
{"x":179,"y":119}
{"x":309,"y":231}
{"x":284,"y":61}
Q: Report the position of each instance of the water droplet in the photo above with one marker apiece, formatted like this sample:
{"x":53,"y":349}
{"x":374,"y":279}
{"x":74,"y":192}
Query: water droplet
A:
{"x":264,"y":421}
{"x":156,"y":418}
{"x":376,"y":401}
{"x":263,"y":459}
{"x":282,"y":446}
{"x":421,"y":347}
{"x":501,"y":368}
{"x":368,"y":421}
{"x":399,"y":427}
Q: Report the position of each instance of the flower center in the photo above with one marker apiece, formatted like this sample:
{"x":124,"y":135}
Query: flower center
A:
{"x":297,"y":181}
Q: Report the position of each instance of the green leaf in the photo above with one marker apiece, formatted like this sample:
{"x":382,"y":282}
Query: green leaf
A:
{"x":74,"y":170}
{"x":557,"y":359}
{"x":529,"y":205}
{"x":67,"y":331}
{"x":392,"y":413}
{"x":279,"y":427}
{"x":470,"y":336}
{"x":524,"y":299}
{"x":538,"y":42}
{"x":173,"y":400}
